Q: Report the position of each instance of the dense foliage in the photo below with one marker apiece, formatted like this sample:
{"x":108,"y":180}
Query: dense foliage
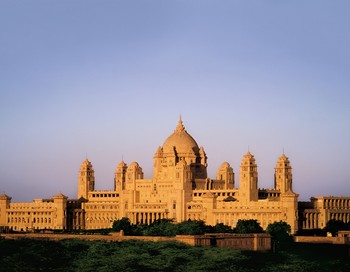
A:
{"x":280,"y":232}
{"x":311,"y":232}
{"x":248,"y":226}
{"x":333,"y":226}
{"x":78,"y":255}
{"x":166,"y":227}
{"x":123,"y":224}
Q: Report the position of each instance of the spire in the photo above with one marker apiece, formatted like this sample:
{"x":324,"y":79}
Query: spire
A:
{"x":180,"y":126}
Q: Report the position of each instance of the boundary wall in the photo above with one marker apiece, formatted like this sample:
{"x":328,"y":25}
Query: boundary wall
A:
{"x":322,"y":240}
{"x":256,"y":242}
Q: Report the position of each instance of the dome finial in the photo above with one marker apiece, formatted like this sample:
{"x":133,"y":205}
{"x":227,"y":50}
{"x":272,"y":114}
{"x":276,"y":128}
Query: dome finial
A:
{"x":180,"y":126}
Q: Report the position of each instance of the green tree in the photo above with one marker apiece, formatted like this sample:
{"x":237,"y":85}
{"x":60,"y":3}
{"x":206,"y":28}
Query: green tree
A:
{"x":280,"y":231}
{"x":139,"y":229}
{"x":191,"y":227}
{"x":161,"y":227}
{"x":334,"y":226}
{"x":222,"y":228}
{"x":248,"y":226}
{"x":122,"y":224}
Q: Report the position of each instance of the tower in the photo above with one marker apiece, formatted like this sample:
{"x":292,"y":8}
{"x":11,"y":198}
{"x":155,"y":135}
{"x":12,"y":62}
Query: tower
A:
{"x":283,"y":175}
{"x":182,"y":192}
{"x":133,"y":172}
{"x":86,"y":179}
{"x":120,"y":174}
{"x":158,"y":161}
{"x":5,"y":201}
{"x":60,"y":203}
{"x":226,"y":174}
{"x":248,"y":178}
{"x":283,"y":183}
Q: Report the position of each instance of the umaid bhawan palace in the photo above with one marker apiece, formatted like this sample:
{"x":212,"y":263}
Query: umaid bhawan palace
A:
{"x":180,"y":189}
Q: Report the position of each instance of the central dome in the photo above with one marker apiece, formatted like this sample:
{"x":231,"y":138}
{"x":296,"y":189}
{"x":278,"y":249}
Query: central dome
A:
{"x":180,"y":141}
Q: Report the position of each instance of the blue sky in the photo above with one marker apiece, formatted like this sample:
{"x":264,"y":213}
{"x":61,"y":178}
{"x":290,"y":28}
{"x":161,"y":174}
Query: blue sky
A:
{"x":109,"y":79}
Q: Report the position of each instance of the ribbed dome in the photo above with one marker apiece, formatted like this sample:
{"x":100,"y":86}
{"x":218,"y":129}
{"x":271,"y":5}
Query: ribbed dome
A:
{"x":181,"y":141}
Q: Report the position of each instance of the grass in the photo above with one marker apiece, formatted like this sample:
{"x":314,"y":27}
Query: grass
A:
{"x":78,"y":255}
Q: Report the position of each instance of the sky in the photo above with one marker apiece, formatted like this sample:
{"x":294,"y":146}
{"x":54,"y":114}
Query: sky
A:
{"x":108,"y":80}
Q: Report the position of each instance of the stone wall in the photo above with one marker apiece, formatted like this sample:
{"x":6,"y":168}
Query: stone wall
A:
{"x":236,"y":241}
{"x":322,"y":240}
{"x":115,"y":237}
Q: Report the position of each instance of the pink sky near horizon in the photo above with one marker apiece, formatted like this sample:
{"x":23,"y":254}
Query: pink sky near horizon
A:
{"x":108,"y":80}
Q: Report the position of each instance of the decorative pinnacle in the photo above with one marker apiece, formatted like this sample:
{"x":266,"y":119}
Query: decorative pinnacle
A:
{"x":180,"y":126}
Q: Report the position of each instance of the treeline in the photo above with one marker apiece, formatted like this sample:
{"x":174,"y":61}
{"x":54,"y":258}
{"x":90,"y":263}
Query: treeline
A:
{"x":166,"y":227}
{"x":280,"y":231}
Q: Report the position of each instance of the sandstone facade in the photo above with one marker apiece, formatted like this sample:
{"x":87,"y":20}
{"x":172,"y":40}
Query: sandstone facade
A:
{"x":180,"y":189}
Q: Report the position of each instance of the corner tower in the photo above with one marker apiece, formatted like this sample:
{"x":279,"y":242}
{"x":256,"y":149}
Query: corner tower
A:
{"x":5,"y":201}
{"x":86,"y":179}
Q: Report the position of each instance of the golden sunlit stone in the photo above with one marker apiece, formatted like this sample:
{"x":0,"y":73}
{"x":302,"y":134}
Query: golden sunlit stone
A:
{"x":179,"y":190}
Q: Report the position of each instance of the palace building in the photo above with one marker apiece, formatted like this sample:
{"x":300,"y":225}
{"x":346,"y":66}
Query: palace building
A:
{"x":316,"y":213}
{"x":180,"y":189}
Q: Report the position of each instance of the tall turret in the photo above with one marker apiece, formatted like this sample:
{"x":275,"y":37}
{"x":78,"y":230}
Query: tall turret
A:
{"x":202,"y":171}
{"x":283,"y":183}
{"x":283,"y":175}
{"x":226,"y":174}
{"x":248,"y":178}
{"x":86,"y":179}
{"x":120,"y":176}
{"x":158,"y":161}
{"x":133,"y":172}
